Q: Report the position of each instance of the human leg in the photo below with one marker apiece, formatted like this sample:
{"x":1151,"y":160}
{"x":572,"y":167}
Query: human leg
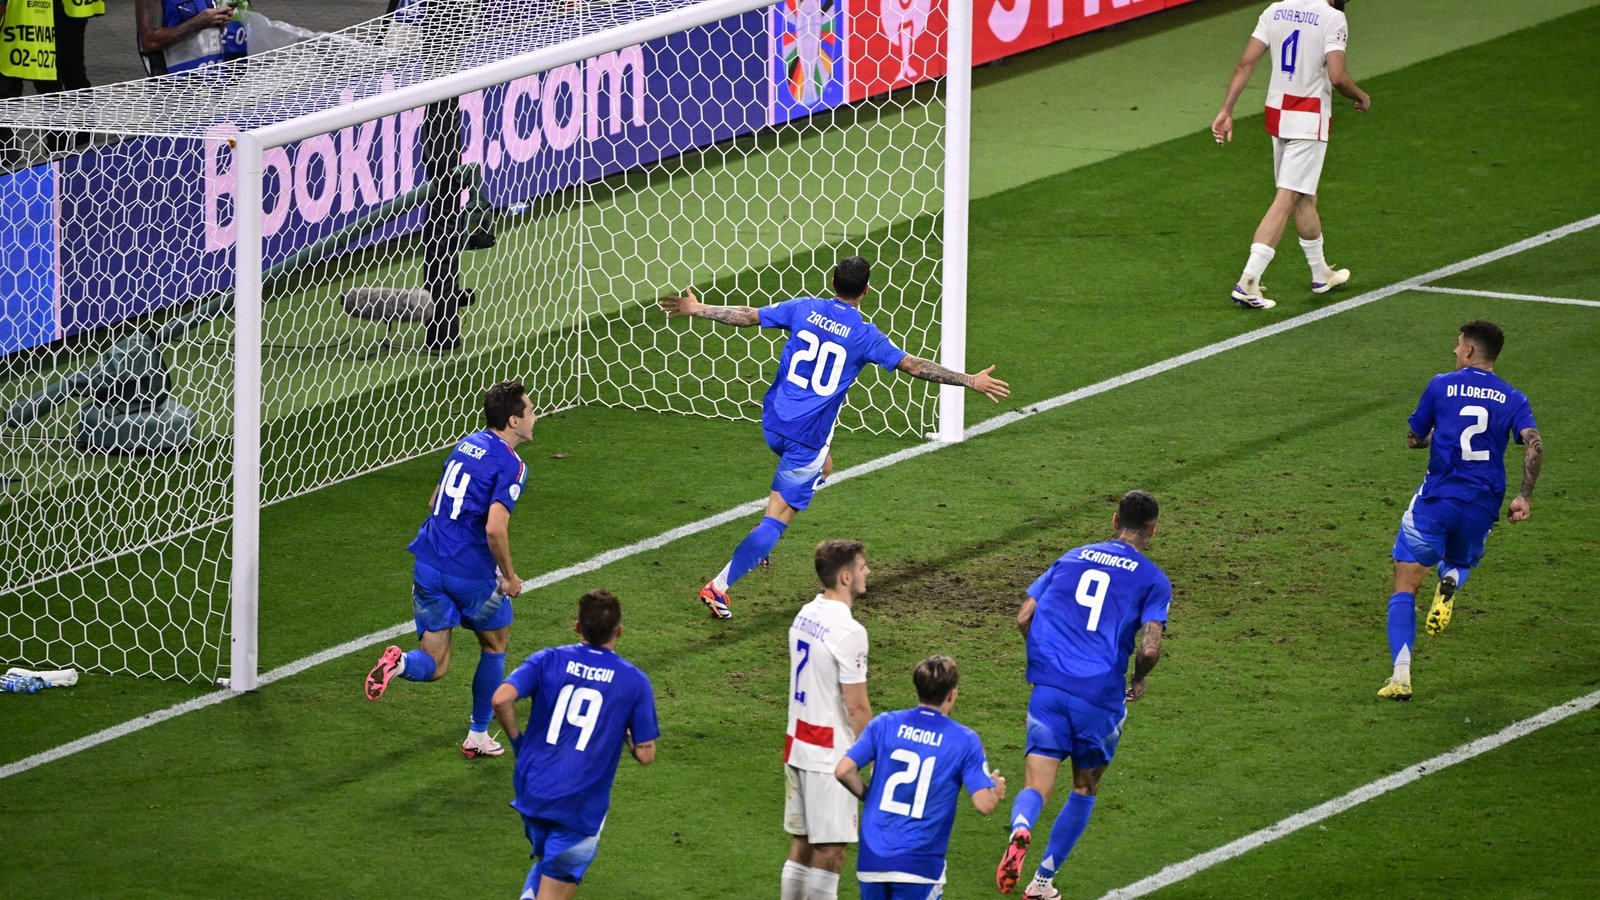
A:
{"x":801,"y":470}
{"x":1096,"y":731}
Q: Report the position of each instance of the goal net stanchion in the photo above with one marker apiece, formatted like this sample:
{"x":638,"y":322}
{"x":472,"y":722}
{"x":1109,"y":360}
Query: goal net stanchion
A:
{"x":625,"y":150}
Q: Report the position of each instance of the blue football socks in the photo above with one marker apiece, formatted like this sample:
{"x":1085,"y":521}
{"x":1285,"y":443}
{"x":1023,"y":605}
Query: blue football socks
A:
{"x":419,"y":666}
{"x":1070,"y":823}
{"x":756,"y":546}
{"x":1026,"y":808}
{"x":491,"y":672}
{"x":1402,"y":627}
{"x":1459,"y":572}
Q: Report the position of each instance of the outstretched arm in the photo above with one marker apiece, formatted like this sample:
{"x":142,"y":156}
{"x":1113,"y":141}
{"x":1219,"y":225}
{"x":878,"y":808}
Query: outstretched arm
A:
{"x":928,"y":370}
{"x":690,"y":305}
{"x":1531,"y":463}
{"x":1222,"y":125}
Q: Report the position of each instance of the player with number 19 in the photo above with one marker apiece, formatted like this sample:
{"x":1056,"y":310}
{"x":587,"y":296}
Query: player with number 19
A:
{"x":1081,"y":620}
{"x":588,"y":704}
{"x":921,"y":761}
{"x":829,"y":344}
{"x":463,"y":574}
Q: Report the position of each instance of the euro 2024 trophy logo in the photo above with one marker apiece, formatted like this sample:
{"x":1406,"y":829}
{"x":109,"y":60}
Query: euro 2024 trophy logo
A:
{"x":903,"y":22}
{"x":810,"y":47}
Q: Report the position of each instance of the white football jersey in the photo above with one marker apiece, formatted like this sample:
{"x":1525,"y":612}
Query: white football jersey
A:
{"x":1299,"y":34}
{"x":827,"y":649}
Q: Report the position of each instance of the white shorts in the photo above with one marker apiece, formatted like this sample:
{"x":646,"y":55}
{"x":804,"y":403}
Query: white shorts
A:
{"x":1297,"y":163}
{"x":818,"y":808}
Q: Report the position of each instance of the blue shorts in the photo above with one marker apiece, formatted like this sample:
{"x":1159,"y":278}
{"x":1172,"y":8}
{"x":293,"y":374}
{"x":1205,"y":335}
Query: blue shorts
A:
{"x":1062,"y":725}
{"x":1442,"y":529}
{"x":563,"y":854}
{"x":799,"y":469}
{"x":900,"y":890}
{"x":440,"y":602}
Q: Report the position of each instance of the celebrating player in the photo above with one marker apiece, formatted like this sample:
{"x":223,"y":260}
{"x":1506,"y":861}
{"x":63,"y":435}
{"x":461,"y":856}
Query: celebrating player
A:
{"x":588,"y":704}
{"x":1081,"y":620}
{"x":921,"y":759}
{"x":829,"y":345}
{"x":459,"y":547}
{"x":828,"y":707}
{"x":1465,"y":417}
{"x":1307,"y":41}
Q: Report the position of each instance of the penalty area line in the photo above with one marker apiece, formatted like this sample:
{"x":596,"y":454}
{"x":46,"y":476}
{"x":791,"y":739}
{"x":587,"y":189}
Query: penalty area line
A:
{"x":744,"y":509}
{"x":1179,"y":871}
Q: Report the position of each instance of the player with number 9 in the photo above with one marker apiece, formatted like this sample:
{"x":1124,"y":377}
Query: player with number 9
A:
{"x":588,"y":704}
{"x":829,"y":344}
{"x":1081,"y":620}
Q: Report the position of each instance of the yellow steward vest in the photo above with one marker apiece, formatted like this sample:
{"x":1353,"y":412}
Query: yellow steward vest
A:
{"x":28,"y":40}
{"x":83,"y":9}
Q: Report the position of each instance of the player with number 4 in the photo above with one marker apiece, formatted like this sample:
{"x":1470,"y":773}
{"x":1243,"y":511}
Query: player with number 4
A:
{"x":829,"y":344}
{"x":1081,"y":620}
{"x":588,"y":704}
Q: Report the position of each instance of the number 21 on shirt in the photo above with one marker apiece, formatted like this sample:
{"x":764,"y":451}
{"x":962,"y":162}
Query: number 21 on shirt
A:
{"x":918,"y":769}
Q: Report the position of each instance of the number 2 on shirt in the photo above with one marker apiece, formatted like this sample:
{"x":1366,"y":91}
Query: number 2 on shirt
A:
{"x":824,"y":378}
{"x":804,"y":649}
{"x":1477,"y":428}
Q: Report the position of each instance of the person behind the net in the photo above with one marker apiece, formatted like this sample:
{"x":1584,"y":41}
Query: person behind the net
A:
{"x":1304,"y":41}
{"x":828,"y":707}
{"x":589,"y":704}
{"x":1081,"y":620}
{"x":922,"y":760}
{"x":463,"y":573}
{"x":1465,"y":419}
{"x":828,"y":346}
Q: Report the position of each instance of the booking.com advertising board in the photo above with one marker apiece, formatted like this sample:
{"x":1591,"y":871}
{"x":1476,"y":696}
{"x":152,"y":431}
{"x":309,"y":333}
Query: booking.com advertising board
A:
{"x":167,"y":202}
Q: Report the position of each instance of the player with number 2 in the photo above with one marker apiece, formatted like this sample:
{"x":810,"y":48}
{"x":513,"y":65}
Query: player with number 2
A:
{"x":829,"y":344}
{"x":1081,"y":620}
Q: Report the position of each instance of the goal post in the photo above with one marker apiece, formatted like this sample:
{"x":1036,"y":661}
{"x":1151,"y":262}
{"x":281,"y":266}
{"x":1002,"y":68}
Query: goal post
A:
{"x":298,"y":236}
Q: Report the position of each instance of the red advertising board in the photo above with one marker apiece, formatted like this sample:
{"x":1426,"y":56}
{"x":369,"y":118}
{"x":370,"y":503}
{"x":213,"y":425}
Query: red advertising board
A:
{"x":894,"y":43}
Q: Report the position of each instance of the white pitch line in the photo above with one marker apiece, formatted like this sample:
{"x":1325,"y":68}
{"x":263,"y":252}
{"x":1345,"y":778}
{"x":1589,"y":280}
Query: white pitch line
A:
{"x":745,"y":509}
{"x":1501,"y":295}
{"x":1179,"y":871}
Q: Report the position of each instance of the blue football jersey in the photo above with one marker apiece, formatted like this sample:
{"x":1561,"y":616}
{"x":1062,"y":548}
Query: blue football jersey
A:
{"x":1472,"y":413}
{"x":1091,"y":603}
{"x":585,"y":700}
{"x":829,"y":344}
{"x":481,"y":471}
{"x":921,"y":762}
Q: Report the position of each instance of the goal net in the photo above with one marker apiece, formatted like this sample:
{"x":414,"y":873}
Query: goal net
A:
{"x":237,"y":285}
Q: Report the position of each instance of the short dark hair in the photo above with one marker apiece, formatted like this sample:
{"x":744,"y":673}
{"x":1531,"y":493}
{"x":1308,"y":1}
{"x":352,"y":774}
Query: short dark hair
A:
{"x":501,"y":402}
{"x":935,"y":677}
{"x":1486,"y":336}
{"x":833,"y":556}
{"x":1137,"y":511}
{"x":850,"y":277}
{"x":599,"y":614}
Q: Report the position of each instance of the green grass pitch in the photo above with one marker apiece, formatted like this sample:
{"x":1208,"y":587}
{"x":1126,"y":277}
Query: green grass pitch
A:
{"x":1281,"y":469}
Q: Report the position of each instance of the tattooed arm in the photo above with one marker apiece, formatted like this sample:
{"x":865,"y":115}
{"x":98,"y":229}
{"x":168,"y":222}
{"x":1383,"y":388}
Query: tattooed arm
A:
{"x":928,"y":370}
{"x":1418,"y":443}
{"x":1149,"y":654}
{"x":1532,"y":461}
{"x":690,"y":305}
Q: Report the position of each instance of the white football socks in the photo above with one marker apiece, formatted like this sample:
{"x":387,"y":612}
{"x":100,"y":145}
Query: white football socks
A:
{"x":794,"y":881}
{"x":821,"y":884}
{"x":1313,"y":250}
{"x":1260,"y":256}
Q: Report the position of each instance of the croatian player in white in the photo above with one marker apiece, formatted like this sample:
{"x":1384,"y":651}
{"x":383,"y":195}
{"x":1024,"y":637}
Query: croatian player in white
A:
{"x":588,"y":705}
{"x":1082,"y":619}
{"x":828,"y":707}
{"x":1464,"y":418}
{"x":921,"y":762}
{"x":463,"y":573}
{"x":1306,"y":42}
{"x":829,"y":344}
